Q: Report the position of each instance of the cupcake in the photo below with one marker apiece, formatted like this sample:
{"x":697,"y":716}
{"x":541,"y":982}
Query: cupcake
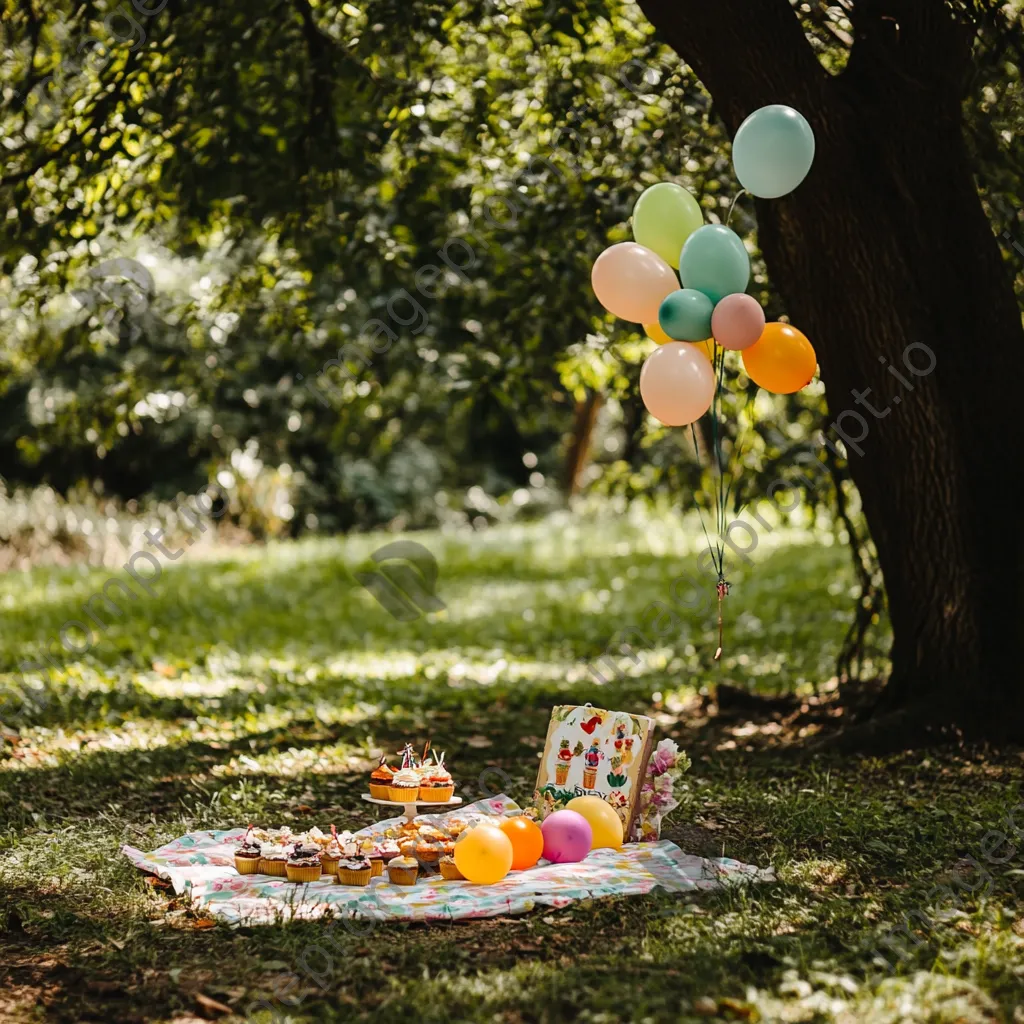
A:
{"x":376,"y":863}
{"x":380,"y":781}
{"x":314,"y":835}
{"x":304,"y":863}
{"x":330,"y":856}
{"x":405,"y":786}
{"x":436,"y":786}
{"x":247,"y":856}
{"x":428,"y":852}
{"x":449,"y":870}
{"x":274,"y":859}
{"x":387,"y":849}
{"x":355,"y":871}
{"x":403,"y":870}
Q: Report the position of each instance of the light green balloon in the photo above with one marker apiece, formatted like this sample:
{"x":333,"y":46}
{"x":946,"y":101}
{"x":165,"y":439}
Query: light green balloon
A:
{"x":714,"y":261}
{"x":664,"y":217}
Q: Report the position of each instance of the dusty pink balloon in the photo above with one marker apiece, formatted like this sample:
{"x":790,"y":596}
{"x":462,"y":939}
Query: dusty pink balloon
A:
{"x":677,"y":384}
{"x":737,"y":322}
{"x":630,"y":281}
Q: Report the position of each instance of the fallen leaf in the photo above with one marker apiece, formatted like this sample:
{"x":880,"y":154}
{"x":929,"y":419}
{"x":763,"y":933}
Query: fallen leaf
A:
{"x":212,"y":1005}
{"x":205,"y":922}
{"x":305,"y":809}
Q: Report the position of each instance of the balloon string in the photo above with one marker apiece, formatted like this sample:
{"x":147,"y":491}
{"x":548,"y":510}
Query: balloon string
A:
{"x":723,"y":592}
{"x":732,"y":205}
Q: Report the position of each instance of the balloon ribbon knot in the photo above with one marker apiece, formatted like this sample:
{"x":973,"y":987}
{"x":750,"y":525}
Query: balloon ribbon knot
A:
{"x":723,"y":592}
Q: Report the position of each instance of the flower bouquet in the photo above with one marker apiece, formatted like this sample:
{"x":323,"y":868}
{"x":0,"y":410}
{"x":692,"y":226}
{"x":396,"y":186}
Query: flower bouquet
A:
{"x":658,"y":793}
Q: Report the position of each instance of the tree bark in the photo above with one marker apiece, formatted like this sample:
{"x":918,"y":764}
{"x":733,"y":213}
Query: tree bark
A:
{"x":884,"y":258}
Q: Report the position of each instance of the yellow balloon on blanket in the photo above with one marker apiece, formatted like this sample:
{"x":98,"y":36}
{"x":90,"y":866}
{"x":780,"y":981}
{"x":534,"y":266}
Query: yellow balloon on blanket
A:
{"x":484,"y":854}
{"x":604,"y":822}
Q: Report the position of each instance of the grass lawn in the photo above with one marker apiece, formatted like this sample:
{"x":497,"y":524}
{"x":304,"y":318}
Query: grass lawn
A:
{"x":255,"y":684}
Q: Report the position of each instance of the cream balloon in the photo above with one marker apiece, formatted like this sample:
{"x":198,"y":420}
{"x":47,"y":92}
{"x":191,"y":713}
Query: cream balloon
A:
{"x":630,"y":281}
{"x":677,"y":384}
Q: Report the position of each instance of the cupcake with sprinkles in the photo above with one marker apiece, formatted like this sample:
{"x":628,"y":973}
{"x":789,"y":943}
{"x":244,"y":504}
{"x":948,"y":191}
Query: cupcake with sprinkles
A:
{"x":380,"y":780}
{"x":304,"y":864}
{"x":274,"y":859}
{"x":331,"y":854}
{"x":247,"y":856}
{"x":355,"y":870}
{"x":436,"y":785}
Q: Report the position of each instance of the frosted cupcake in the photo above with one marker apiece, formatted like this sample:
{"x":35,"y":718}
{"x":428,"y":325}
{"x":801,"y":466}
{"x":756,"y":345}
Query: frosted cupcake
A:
{"x":387,"y":849}
{"x":449,"y":869}
{"x":437,"y":786}
{"x":329,"y":857}
{"x":405,"y":786}
{"x":380,"y":781}
{"x":304,"y":864}
{"x":355,"y":871}
{"x":403,"y":870}
{"x":247,"y":856}
{"x":274,"y":859}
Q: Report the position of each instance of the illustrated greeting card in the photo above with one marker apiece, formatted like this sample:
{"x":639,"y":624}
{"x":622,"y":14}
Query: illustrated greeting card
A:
{"x":593,"y":752}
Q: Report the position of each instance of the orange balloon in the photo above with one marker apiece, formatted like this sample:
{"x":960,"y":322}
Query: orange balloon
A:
{"x":782,"y":360}
{"x":707,"y":347}
{"x":655,"y":333}
{"x":527,"y":841}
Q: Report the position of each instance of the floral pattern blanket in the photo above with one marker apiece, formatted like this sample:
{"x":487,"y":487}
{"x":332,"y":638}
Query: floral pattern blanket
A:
{"x":201,"y":864}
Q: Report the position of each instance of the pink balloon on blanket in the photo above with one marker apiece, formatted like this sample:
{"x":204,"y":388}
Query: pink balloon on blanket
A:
{"x":567,"y":837}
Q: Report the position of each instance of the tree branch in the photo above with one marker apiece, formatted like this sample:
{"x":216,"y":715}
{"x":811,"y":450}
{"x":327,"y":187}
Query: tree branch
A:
{"x":746,"y":54}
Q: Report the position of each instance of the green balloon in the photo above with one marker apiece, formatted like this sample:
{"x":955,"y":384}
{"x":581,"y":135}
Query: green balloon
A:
{"x":664,"y":217}
{"x":685,"y":315}
{"x":715,"y":262}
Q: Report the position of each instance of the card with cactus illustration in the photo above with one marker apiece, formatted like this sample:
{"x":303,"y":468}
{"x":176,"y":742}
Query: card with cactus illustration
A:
{"x":593,"y":752}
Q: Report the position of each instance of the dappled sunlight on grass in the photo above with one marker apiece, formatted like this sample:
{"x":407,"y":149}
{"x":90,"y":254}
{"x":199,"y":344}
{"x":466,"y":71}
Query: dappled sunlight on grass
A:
{"x":258,"y":685}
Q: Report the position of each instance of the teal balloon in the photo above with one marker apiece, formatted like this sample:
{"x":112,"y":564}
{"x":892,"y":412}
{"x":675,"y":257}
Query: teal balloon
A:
{"x":715,"y":262}
{"x":685,"y":315}
{"x":773,"y":151}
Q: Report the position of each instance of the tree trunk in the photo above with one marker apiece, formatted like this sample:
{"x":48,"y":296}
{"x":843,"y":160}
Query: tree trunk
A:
{"x":885,"y":260}
{"x":579,"y":449}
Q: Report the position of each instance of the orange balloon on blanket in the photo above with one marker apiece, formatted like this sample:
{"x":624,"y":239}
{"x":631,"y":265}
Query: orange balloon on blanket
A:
{"x":527,"y":841}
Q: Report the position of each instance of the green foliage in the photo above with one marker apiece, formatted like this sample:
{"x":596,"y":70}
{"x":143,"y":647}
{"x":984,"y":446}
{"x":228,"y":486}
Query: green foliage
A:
{"x":284,"y":171}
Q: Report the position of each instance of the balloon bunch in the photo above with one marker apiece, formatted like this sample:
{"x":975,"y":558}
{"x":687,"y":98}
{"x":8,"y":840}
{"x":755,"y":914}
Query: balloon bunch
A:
{"x":710,"y":314}
{"x":486,"y":853}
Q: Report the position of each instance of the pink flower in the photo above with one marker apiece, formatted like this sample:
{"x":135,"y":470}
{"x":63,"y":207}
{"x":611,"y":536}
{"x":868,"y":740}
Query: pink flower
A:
{"x":664,"y":757}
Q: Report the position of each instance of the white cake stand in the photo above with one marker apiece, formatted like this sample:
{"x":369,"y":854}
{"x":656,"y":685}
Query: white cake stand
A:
{"x":409,"y":807}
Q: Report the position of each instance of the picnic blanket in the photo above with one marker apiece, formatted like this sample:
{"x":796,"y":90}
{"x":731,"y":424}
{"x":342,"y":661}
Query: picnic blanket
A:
{"x":202,"y":865}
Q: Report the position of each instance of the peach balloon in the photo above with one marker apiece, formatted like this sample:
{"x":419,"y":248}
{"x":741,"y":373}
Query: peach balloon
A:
{"x":782,"y":360}
{"x":630,"y":281}
{"x":677,"y":384}
{"x":737,"y":321}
